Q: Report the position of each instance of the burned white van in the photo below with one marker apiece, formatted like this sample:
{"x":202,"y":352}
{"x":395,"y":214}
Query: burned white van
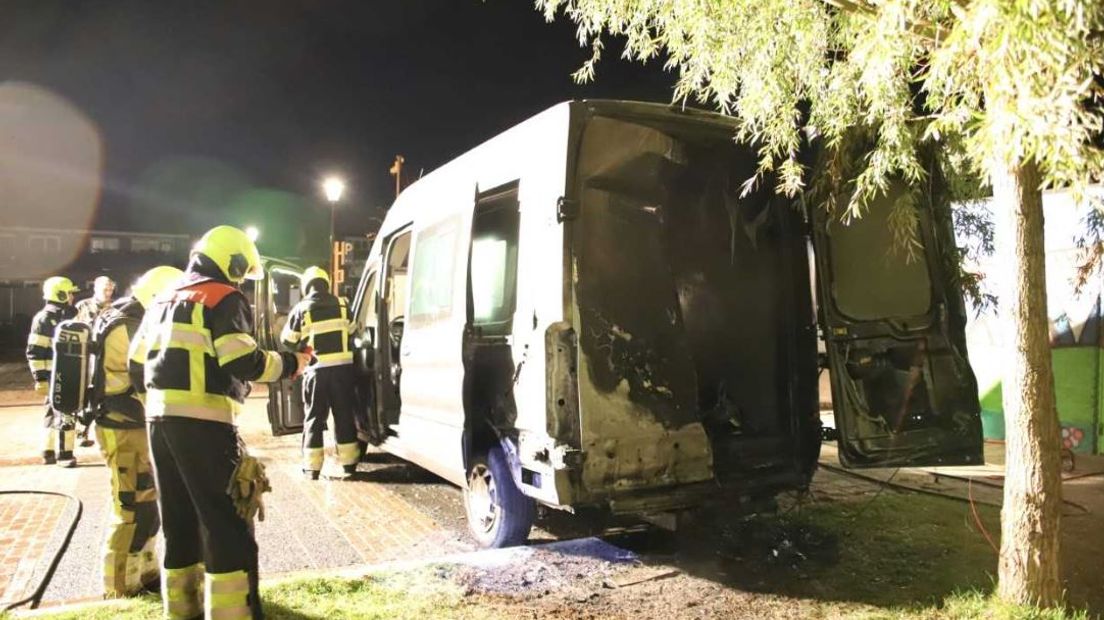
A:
{"x":584,"y":312}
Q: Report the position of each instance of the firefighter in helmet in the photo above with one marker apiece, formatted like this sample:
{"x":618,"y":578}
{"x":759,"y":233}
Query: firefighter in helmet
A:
{"x":195,"y":354}
{"x":61,"y":433}
{"x":129,"y":557}
{"x":320,"y":323}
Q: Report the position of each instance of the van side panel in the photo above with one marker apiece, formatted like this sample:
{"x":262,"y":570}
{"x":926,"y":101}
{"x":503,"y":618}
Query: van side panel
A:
{"x":440,"y":206}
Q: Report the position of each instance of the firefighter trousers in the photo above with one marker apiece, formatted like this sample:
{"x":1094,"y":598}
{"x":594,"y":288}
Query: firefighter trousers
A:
{"x":129,"y":554}
{"x":210,"y":564}
{"x":325,"y":390}
{"x":60,"y":436}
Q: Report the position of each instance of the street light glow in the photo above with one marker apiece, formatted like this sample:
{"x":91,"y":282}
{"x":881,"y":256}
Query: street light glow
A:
{"x":253,"y":233}
{"x":333,"y":187}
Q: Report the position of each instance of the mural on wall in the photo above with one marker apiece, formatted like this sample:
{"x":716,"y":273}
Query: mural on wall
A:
{"x":1077,"y":344}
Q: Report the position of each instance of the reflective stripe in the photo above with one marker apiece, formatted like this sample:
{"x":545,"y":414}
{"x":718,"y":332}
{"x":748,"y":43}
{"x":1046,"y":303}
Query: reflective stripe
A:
{"x":185,"y":404}
{"x":329,"y":325}
{"x":227,"y":596}
{"x":233,"y":346}
{"x":182,"y":593}
{"x":38,"y":340}
{"x":348,"y":453}
{"x":313,"y":457}
{"x":274,"y":367}
{"x":333,"y":359}
{"x":40,"y":364}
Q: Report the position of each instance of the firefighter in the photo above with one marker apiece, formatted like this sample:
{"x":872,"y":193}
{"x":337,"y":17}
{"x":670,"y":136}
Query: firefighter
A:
{"x":129,"y":557}
{"x":58,"y":294}
{"x":103,"y":290}
{"x":320,"y":323}
{"x":195,"y":353}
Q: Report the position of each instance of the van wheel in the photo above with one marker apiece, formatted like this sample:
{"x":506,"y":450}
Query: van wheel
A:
{"x":499,"y":515}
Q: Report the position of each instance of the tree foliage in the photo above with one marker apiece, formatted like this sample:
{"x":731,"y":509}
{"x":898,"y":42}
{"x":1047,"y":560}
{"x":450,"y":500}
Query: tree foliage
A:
{"x":989,"y":80}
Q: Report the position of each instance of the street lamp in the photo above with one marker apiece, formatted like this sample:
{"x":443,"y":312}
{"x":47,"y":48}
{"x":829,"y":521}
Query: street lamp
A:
{"x":333,"y":187}
{"x":252,"y":233}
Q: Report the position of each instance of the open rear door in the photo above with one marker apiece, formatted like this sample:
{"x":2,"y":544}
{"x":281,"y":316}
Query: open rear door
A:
{"x":273,"y":299}
{"x":894,"y":333}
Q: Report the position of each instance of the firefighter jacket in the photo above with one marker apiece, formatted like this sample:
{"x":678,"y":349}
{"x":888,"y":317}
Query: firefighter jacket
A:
{"x":195,"y":352}
{"x":40,"y":350}
{"x":321,"y":322}
{"x":117,"y":404}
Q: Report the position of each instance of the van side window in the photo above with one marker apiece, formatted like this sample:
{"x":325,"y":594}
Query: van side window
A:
{"x":368,"y":313}
{"x":494,"y":254}
{"x":436,"y":258}
{"x":397,"y":271}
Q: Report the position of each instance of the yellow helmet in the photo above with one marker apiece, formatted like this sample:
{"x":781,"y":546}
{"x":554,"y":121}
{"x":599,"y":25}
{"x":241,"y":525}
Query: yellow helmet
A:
{"x":152,"y":282}
{"x":233,"y":251}
{"x":58,"y":289}
{"x":311,"y":274}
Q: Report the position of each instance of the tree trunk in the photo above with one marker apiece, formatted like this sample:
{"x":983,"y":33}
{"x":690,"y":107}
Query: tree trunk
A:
{"x":1028,"y":572}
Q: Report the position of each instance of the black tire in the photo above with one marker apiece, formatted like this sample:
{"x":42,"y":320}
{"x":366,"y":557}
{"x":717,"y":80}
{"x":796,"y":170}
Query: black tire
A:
{"x":499,"y":514}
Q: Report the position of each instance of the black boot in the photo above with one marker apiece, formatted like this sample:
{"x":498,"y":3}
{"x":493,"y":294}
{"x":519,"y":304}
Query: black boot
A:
{"x":350,"y":470}
{"x":49,"y":457}
{"x":310,"y":474}
{"x":66,"y":459}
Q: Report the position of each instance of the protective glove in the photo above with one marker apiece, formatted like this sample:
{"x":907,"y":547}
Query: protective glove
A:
{"x":247,"y":486}
{"x":42,"y":388}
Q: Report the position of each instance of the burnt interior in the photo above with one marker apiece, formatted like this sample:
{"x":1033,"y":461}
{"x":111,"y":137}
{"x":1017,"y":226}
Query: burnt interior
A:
{"x":695,"y":297}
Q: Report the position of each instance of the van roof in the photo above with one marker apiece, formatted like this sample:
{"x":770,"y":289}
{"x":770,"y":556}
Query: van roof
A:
{"x":623,"y":108}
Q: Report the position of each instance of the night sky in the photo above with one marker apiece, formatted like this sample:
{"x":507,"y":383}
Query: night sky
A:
{"x":207,"y":98}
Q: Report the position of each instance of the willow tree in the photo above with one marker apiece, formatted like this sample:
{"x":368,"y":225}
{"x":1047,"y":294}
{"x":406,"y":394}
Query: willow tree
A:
{"x":1008,"y":90}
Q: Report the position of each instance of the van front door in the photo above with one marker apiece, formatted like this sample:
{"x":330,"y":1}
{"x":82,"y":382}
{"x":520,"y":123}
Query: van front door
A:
{"x":894,"y":331}
{"x":273,"y":298}
{"x":390,"y":324}
{"x":431,"y":385}
{"x":365,"y":307}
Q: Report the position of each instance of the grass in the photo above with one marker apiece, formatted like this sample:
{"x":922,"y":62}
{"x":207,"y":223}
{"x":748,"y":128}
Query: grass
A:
{"x":417,"y":594}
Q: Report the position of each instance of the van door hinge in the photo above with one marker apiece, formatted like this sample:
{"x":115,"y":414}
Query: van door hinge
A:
{"x":566,"y":209}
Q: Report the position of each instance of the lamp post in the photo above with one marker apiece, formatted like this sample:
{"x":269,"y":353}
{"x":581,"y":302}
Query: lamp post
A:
{"x":333,"y":187}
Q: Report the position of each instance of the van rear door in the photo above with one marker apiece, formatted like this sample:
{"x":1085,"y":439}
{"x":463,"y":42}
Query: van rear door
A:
{"x":894,"y":332}
{"x":273,"y":298}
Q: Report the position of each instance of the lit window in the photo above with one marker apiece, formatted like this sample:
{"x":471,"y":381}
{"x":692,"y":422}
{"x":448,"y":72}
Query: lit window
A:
{"x":105,"y":244}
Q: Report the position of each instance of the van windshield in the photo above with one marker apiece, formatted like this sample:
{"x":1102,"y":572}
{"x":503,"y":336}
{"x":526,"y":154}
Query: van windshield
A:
{"x":685,"y":290}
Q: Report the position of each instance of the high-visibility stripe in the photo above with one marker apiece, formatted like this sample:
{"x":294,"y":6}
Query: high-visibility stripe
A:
{"x":329,"y":325}
{"x":189,"y":404}
{"x":233,"y":346}
{"x":327,"y":360}
{"x":183,"y":594}
{"x":40,"y":364}
{"x":227,"y":596}
{"x":273,"y":368}
{"x":348,"y":453}
{"x":38,"y":340}
{"x":313,"y":458}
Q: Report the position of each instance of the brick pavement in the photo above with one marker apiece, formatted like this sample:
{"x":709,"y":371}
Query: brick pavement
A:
{"x":27,"y":524}
{"x":309,"y":525}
